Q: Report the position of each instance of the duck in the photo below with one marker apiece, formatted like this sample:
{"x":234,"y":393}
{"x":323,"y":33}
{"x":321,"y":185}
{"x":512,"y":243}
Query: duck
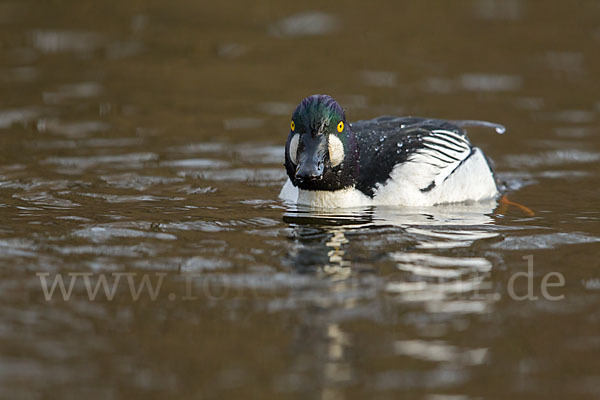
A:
{"x":388,"y":160}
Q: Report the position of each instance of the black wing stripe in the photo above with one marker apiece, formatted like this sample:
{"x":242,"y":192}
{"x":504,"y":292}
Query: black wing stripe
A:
{"x":438,"y":158}
{"x":454,"y":139}
{"x":453,"y":134}
{"x":451,"y":140}
{"x":442,"y":153}
{"x":446,"y":144}
{"x":426,"y":152}
{"x":437,"y":149}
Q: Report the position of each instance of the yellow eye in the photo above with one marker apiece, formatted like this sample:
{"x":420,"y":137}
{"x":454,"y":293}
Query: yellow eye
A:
{"x":293,"y":125}
{"x":341,"y":126}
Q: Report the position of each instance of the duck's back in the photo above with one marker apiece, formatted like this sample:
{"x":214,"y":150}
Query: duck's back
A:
{"x":413,"y":160}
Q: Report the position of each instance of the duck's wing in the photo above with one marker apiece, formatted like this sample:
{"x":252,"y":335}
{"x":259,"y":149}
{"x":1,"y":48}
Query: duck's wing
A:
{"x":440,"y":154}
{"x":422,"y":151}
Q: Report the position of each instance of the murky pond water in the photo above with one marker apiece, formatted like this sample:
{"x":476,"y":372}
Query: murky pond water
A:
{"x":142,"y":148}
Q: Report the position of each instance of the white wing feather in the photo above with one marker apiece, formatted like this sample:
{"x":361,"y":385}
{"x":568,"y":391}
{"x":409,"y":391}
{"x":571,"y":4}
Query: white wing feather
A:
{"x":442,"y":153}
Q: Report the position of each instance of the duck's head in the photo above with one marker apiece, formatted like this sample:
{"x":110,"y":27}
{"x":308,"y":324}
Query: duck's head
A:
{"x":321,"y":151}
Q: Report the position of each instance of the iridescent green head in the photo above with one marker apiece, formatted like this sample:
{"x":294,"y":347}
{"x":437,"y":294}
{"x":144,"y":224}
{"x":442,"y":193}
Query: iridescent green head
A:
{"x":318,"y":113}
{"x":320,"y":152}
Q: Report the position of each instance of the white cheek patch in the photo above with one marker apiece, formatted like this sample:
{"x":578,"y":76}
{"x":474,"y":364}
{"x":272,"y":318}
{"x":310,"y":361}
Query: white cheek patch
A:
{"x":294,"y":148}
{"x":336,"y":150}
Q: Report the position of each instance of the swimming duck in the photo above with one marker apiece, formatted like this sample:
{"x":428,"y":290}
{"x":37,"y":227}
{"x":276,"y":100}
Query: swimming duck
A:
{"x":408,"y":161}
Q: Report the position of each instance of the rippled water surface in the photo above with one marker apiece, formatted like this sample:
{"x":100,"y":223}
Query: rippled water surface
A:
{"x":142,"y":146}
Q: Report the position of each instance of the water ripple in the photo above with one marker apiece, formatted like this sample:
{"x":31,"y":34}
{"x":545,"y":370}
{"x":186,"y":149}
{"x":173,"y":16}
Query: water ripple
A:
{"x":102,"y":234}
{"x":305,"y":24}
{"x":120,"y":161}
{"x":545,"y":241}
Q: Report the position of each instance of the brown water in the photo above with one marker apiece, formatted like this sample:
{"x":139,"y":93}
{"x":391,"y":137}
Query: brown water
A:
{"x":144,"y":140}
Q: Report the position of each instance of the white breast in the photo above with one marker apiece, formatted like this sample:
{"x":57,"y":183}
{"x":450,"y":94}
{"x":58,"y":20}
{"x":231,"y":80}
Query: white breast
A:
{"x":345,"y":198}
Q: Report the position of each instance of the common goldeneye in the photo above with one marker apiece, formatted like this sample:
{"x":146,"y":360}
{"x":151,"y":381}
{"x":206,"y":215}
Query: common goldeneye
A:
{"x":407,"y":161}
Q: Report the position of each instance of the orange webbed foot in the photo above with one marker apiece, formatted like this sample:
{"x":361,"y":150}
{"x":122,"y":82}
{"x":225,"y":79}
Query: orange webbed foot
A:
{"x":505,"y":203}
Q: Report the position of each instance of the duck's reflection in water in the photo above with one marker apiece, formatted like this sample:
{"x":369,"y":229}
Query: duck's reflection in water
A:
{"x":337,"y":267}
{"x":426,"y":277}
{"x":430,"y":249}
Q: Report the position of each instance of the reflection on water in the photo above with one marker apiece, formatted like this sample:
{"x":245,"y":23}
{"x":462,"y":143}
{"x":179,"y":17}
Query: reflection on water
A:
{"x":305,"y":24}
{"x":441,"y":283}
{"x":145,"y":141}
